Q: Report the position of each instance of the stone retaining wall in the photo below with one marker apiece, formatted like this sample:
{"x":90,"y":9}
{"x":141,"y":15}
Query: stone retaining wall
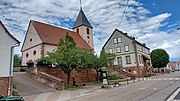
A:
{"x":46,"y":79}
{"x":80,"y":77}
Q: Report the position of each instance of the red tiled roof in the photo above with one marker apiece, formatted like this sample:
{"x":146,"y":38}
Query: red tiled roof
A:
{"x":9,"y":33}
{"x":51,"y":35}
{"x":171,"y":64}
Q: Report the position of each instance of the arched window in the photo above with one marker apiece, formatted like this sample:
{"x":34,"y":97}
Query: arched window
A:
{"x":88,"y":37}
{"x":77,"y":30}
{"x":87,"y":30}
{"x":34,"y":53}
{"x":27,"y":54}
{"x":30,"y":40}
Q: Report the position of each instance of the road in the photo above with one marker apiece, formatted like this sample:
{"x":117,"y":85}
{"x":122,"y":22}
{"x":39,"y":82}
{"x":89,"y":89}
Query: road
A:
{"x":156,"y":89}
{"x":26,"y":86}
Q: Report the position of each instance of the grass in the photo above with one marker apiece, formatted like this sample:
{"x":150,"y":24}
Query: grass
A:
{"x":87,"y":85}
{"x":14,"y":90}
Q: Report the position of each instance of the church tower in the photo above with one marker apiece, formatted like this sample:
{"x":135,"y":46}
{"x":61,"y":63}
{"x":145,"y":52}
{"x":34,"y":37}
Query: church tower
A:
{"x":84,"y":28}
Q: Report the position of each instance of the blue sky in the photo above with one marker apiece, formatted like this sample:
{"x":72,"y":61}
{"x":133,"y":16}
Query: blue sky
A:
{"x":153,"y":22}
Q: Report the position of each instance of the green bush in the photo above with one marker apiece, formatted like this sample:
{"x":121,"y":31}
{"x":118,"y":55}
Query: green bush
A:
{"x":14,"y":91}
{"x":44,"y":62}
{"x":146,"y":75}
{"x":113,"y":76}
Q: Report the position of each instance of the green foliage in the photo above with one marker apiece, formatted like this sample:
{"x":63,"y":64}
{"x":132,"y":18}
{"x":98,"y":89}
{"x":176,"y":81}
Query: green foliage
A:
{"x":14,"y":91}
{"x":159,"y":58}
{"x":113,"y":76}
{"x":93,"y":61}
{"x":17,"y":60}
{"x":67,"y":56}
{"x":44,"y":61}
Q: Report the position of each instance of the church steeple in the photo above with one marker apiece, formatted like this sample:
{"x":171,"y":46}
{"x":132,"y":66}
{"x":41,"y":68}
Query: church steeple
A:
{"x":82,"y":20}
{"x":84,"y":28}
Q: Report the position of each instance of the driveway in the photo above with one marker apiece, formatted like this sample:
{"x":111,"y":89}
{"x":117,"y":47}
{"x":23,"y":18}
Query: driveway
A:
{"x":26,"y":86}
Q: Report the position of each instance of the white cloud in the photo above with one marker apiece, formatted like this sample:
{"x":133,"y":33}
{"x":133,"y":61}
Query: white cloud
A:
{"x":104,"y":15}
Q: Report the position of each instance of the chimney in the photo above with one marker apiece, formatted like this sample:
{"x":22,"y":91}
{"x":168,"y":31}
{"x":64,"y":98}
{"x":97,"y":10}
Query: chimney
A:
{"x":144,"y":44}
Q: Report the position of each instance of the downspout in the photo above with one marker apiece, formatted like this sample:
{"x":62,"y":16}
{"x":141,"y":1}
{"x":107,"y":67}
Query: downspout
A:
{"x":10,"y":68}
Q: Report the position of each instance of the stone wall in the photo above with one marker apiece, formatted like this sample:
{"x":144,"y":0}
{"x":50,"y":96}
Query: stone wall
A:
{"x":47,"y":79}
{"x":3,"y":86}
{"x":143,"y":70}
{"x":80,"y":77}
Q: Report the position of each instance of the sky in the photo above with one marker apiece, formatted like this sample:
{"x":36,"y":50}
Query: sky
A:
{"x":153,"y":22}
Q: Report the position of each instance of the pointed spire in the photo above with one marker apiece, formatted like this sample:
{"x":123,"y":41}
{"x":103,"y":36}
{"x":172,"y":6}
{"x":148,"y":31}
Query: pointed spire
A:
{"x":81,"y":19}
{"x":80,"y":4}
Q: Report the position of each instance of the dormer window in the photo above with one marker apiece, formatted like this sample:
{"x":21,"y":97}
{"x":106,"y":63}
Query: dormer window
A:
{"x":87,"y":30}
{"x":77,"y":30}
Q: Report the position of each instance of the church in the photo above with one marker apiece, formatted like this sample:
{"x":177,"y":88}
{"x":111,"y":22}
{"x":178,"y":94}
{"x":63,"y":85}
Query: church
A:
{"x":42,"y":38}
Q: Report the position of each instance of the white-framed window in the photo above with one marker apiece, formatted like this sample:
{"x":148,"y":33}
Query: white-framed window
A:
{"x":128,"y":59}
{"x":126,"y":48}
{"x":119,"y":40}
{"x":118,"y":49}
{"x":110,"y":50}
{"x":115,"y":40}
{"x":119,"y":60}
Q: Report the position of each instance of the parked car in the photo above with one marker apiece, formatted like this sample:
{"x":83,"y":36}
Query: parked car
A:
{"x":11,"y":98}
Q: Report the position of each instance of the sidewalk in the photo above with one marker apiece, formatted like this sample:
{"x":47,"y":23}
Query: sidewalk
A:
{"x":67,"y":95}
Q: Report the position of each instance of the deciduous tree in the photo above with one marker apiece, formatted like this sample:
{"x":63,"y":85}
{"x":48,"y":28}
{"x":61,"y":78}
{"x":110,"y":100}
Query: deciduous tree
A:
{"x":159,"y":58}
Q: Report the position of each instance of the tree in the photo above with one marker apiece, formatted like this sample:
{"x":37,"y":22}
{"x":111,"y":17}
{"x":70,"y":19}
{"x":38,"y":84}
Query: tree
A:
{"x":104,"y":60}
{"x":44,"y":61}
{"x":159,"y":58}
{"x":17,"y":60}
{"x":67,"y":56}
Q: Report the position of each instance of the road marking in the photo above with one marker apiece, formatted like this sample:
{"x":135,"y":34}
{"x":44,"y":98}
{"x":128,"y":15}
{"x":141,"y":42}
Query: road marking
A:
{"x":166,"y":79}
{"x":173,"y":95}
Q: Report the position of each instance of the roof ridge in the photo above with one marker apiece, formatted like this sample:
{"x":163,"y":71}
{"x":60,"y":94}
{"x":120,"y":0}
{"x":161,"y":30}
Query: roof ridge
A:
{"x":52,"y":25}
{"x":52,"y":32}
{"x":9,"y":32}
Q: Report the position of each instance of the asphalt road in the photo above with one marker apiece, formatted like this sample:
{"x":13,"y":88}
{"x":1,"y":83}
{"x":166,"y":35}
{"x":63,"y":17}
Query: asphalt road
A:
{"x":156,"y":89}
{"x":26,"y":86}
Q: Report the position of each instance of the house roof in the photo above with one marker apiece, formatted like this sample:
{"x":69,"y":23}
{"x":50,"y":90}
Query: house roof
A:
{"x":51,"y":35}
{"x":82,"y":20}
{"x":171,"y":64}
{"x":9,"y":33}
{"x":131,"y":38}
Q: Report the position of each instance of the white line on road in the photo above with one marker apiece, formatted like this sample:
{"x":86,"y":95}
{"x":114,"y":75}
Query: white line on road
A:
{"x":173,"y":95}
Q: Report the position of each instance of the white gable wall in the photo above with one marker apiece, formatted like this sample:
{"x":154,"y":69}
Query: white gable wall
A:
{"x":123,"y":54}
{"x":49,"y":48}
{"x":31,"y":56}
{"x":32,"y":43}
{"x":31,"y":34}
{"x":5,"y":43}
